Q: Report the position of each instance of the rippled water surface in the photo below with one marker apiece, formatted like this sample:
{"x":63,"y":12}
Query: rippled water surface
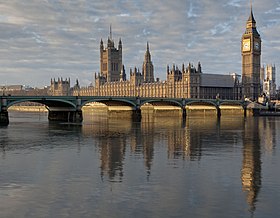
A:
{"x":159,"y":167}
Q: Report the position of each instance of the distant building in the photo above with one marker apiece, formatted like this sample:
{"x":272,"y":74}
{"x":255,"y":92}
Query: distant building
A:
{"x":60,"y":87}
{"x":21,"y":90}
{"x":12,"y":88}
{"x":269,"y":81}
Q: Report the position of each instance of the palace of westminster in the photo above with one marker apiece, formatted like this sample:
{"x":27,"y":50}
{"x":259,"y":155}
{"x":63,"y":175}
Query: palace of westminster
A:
{"x":186,"y":82}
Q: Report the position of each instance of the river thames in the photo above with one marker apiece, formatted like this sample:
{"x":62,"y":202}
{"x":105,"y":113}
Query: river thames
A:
{"x":159,"y":167}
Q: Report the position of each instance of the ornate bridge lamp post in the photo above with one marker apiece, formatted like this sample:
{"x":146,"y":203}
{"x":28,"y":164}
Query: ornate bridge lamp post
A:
{"x":184,"y":110}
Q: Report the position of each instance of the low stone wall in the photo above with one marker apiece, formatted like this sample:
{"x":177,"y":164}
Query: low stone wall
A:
{"x":193,"y":110}
{"x":212,"y":111}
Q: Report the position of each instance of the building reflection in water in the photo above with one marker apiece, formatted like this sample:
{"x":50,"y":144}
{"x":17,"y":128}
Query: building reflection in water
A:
{"x":186,"y":139}
{"x":251,"y":166}
{"x":112,"y":151}
{"x":185,"y":142}
{"x":112,"y":135}
{"x":198,"y":135}
{"x":143,"y":141}
{"x":259,"y":133}
{"x":3,"y":143}
{"x":267,"y":131}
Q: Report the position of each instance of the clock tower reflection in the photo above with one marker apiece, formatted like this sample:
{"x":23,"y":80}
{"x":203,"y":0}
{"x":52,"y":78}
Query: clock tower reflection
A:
{"x":251,"y":166}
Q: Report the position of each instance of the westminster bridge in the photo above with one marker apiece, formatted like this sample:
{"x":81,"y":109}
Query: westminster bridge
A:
{"x":69,"y":108}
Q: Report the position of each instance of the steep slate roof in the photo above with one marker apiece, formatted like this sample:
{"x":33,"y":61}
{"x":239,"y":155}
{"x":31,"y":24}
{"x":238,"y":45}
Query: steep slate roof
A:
{"x":251,"y":17}
{"x":217,"y":80}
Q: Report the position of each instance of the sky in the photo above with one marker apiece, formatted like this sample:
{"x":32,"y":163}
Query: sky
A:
{"x":44,"y":39}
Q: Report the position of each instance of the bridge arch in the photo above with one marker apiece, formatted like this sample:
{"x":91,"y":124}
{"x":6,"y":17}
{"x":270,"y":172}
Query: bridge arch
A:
{"x":202,"y":102}
{"x":111,"y":102}
{"x":235,"y":103}
{"x":162,"y":102}
{"x":44,"y":101}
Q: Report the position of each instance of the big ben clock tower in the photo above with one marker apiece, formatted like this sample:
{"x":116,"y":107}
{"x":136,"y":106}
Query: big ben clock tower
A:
{"x":251,"y":59}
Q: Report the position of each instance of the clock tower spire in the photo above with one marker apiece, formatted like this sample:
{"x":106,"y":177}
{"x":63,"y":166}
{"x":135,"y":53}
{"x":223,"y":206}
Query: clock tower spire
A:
{"x":251,"y":58}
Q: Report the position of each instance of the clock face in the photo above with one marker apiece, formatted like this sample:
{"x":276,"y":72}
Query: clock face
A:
{"x":257,"y":46}
{"x":246,"y":45}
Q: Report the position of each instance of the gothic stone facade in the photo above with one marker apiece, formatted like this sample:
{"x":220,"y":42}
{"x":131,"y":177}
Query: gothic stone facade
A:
{"x":60,"y":87}
{"x":187,"y":82}
{"x":268,"y":79}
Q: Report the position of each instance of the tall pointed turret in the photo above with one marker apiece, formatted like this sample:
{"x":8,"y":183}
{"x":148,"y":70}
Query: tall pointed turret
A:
{"x":251,"y":18}
{"x":147,"y":54}
{"x":101,"y":45}
{"x":148,"y":68}
{"x":111,"y":38}
{"x":123,"y":74}
{"x":199,"y":68}
{"x":251,"y":24}
{"x":120,"y":44}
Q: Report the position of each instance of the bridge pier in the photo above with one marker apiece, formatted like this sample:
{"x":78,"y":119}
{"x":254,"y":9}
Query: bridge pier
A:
{"x":4,"y":118}
{"x":4,"y":115}
{"x":184,"y":112}
{"x":245,"y":111}
{"x":218,"y":112}
{"x":136,"y":115}
{"x":66,"y":116}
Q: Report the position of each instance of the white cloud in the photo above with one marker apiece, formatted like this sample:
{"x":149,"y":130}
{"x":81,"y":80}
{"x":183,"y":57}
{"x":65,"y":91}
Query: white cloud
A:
{"x":220,"y":28}
{"x":235,"y":3}
{"x":191,"y":12}
{"x":123,"y":15}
